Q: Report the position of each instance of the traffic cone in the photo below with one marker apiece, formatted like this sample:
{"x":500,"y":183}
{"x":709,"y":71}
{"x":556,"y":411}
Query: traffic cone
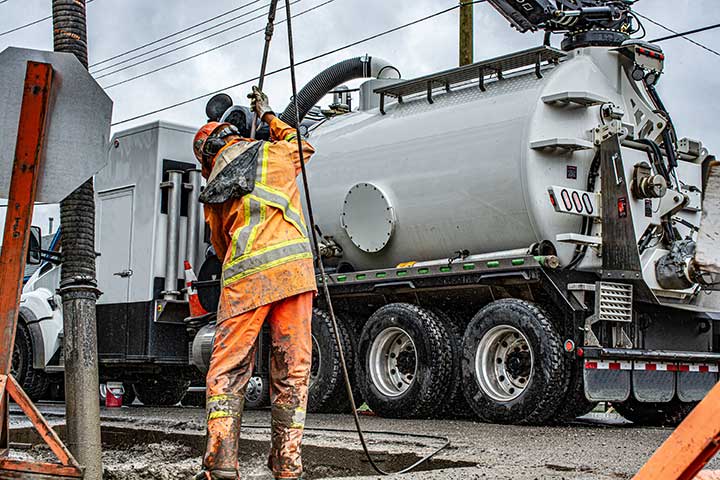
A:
{"x":196,"y":309}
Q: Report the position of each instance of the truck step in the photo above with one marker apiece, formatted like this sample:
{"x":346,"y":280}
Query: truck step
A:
{"x":562,"y":143}
{"x":575,"y":202}
{"x":578,"y":239}
{"x":580,"y":98}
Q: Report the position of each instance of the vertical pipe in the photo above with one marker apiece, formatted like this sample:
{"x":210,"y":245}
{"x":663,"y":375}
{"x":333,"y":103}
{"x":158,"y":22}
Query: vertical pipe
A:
{"x":173,"y":234}
{"x":78,"y":284}
{"x":466,"y":32}
{"x":193,"y":218}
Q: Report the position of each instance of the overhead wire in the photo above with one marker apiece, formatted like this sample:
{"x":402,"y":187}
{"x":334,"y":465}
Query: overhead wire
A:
{"x":34,"y":22}
{"x":687,"y":32}
{"x":174,"y":34}
{"x":675,"y":33}
{"x":302,"y":62}
{"x":175,"y":42}
{"x":178,"y":48}
{"x":217,"y":47}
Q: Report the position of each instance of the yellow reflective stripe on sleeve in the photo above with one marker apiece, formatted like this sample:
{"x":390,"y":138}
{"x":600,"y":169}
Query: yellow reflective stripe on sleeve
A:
{"x":290,"y":137}
{"x":264,"y":162}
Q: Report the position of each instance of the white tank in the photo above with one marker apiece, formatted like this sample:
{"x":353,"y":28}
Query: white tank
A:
{"x":461,"y":173}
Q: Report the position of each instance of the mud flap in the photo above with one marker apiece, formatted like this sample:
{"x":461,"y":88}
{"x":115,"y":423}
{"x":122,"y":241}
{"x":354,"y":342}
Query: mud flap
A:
{"x":652,"y":382}
{"x":694,"y":384}
{"x":607,"y":380}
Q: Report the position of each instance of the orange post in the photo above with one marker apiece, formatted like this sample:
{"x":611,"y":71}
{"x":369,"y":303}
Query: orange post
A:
{"x":26,"y":170}
{"x":693,"y":443}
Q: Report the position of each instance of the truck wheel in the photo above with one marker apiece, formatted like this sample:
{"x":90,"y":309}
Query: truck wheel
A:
{"x":456,"y":405}
{"x":406,"y":360}
{"x":341,"y":403}
{"x":575,"y":404}
{"x":32,"y":380}
{"x":668,"y":414}
{"x":326,"y":378}
{"x":161,"y":391}
{"x":257,"y":394}
{"x":513,"y":364}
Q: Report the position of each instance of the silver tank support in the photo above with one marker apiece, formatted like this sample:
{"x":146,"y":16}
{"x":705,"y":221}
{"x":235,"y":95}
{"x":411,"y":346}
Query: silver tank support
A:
{"x":194,"y":184}
{"x":174,"y":187}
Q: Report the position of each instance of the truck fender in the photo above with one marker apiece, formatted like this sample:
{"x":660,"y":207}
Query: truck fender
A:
{"x":44,"y":324}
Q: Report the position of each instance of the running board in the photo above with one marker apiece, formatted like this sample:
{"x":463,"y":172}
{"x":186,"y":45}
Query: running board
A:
{"x":578,"y":239}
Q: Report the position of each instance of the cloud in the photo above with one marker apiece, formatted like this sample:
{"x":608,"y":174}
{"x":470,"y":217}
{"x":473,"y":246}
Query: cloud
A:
{"x":691,"y":73}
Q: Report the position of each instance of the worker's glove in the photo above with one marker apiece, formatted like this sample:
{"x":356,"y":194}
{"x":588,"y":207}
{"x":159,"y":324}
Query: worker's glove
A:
{"x":259,"y":103}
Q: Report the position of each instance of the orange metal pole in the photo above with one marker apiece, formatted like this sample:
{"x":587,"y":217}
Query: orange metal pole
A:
{"x":693,"y":443}
{"x":21,"y":199}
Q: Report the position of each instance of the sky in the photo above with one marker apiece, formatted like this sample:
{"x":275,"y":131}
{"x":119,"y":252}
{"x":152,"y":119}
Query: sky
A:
{"x":688,"y":86}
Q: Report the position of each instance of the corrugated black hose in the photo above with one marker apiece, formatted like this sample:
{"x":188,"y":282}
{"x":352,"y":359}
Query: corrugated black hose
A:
{"x":295,"y":120}
{"x":325,"y":81}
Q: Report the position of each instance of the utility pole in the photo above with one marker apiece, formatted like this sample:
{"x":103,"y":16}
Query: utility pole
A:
{"x":78,"y":284}
{"x":466,"y":32}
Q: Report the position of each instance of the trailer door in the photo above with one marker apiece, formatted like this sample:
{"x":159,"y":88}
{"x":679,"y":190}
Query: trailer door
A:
{"x":114,"y":241}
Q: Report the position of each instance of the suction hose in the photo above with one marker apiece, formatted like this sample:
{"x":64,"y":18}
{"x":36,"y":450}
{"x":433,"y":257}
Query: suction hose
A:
{"x":332,"y":77}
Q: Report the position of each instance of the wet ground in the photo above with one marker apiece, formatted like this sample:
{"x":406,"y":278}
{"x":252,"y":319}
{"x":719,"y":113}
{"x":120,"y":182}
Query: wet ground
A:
{"x":166,"y":443}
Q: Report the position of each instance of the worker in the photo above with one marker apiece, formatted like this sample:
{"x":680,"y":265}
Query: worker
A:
{"x":252,"y":206}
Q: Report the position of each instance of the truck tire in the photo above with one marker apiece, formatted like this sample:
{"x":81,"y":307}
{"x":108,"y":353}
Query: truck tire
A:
{"x":161,"y":391}
{"x":341,"y":403}
{"x":32,"y":380}
{"x":575,"y":404}
{"x":326,"y":378}
{"x":406,"y":362}
{"x":257,"y":394}
{"x":668,"y":414}
{"x":513,"y":364}
{"x":456,"y":405}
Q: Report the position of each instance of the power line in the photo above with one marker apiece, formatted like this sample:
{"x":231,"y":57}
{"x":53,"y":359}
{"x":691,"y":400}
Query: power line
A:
{"x":180,"y":47}
{"x":676,"y":34}
{"x":34,"y":22}
{"x":175,"y":34}
{"x":217,"y":47}
{"x":307,"y":60}
{"x":683,"y":34}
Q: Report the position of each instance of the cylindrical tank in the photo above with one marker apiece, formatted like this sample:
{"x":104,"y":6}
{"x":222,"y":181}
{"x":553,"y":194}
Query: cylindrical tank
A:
{"x":459,"y":174}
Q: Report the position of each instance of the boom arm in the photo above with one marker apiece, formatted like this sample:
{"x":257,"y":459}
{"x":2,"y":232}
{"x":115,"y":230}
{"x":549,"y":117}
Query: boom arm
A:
{"x":568,"y":16}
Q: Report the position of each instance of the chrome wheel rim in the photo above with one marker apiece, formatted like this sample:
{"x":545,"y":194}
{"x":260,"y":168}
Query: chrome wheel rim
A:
{"x":254,"y":389}
{"x":504,"y":363}
{"x":393,"y":362}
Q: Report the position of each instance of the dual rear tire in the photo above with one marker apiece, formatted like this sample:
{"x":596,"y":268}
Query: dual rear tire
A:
{"x":508,"y":367}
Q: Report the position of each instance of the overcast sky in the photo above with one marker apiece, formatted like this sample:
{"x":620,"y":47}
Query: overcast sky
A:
{"x":689,"y":86}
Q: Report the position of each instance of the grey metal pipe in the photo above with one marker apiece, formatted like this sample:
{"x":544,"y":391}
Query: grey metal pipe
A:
{"x":174,"y":186}
{"x":193,"y":227}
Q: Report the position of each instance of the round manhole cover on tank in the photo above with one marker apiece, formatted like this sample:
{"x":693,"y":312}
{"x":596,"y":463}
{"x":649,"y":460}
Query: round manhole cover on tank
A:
{"x":368,"y":217}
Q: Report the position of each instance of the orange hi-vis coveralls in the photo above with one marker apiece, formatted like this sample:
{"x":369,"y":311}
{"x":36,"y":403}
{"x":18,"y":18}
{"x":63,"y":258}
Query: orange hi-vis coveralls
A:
{"x":268,"y":275}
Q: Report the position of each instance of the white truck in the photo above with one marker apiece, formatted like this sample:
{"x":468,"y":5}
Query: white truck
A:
{"x":516,"y":239}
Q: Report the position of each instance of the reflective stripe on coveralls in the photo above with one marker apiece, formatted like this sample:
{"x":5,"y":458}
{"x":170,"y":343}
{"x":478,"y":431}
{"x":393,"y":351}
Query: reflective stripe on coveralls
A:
{"x":245,"y":262}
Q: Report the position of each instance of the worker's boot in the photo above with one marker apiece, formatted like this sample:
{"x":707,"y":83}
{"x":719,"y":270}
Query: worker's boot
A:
{"x":223,"y":435}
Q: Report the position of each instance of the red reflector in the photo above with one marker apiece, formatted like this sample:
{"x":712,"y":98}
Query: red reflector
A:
{"x":580,"y":352}
{"x":622,"y":207}
{"x":672,"y":367}
{"x":704,"y":368}
{"x":684,"y":368}
{"x":614,"y":365}
{"x":569,"y":345}
{"x":552,"y":200}
{"x":661,"y":56}
{"x":590,"y":365}
{"x":650,"y":366}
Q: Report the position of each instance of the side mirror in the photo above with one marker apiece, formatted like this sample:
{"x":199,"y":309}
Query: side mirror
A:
{"x":34,"y":253}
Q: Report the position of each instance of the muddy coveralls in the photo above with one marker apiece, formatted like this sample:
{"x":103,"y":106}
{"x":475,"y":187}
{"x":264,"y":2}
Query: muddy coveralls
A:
{"x":267,"y":275}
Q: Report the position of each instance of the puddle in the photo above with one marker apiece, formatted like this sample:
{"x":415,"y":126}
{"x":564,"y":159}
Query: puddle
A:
{"x":143,"y":454}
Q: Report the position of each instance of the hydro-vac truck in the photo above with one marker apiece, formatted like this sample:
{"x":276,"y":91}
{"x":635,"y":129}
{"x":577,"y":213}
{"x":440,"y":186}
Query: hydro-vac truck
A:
{"x":514,"y":240}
